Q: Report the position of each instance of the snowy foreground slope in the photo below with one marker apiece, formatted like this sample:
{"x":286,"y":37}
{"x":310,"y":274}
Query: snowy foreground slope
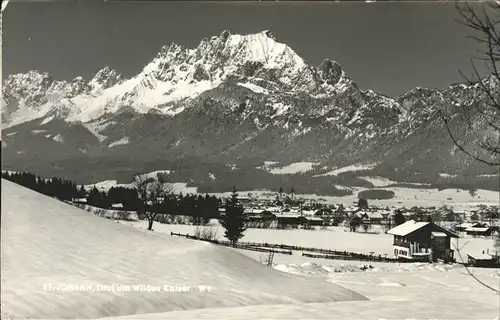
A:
{"x":396,"y":291}
{"x":396,"y":296}
{"x":47,"y":246}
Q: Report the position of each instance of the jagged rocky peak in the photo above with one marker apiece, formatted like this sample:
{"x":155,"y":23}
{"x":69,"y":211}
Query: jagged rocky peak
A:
{"x":421,"y":91}
{"x":330,"y":71}
{"x":32,"y":79}
{"x":30,"y":87}
{"x":223,"y":56}
{"x":78,"y":79}
{"x":224,"y":35}
{"x":77,"y":86}
{"x":171,"y":51}
{"x":261,"y":47}
{"x":419,"y":97}
{"x":269,"y":34}
{"x":494,"y":81}
{"x":105,"y":78}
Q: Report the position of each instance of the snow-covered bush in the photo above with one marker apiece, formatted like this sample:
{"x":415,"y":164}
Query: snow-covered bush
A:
{"x":205,"y":233}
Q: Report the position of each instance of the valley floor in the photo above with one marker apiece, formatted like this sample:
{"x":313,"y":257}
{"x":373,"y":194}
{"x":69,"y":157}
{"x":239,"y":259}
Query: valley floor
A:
{"x":403,"y":197}
{"x":334,"y":238}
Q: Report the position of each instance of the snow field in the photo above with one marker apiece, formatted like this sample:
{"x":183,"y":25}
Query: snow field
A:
{"x":425,"y":294}
{"x":49,"y":246}
{"x":334,"y":238}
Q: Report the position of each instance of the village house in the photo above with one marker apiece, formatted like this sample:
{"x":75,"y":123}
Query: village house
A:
{"x":408,"y":215}
{"x":485,"y":259}
{"x":288,"y":221}
{"x":474,"y":228}
{"x":244,"y":201}
{"x":386,"y":214}
{"x":371,"y":217}
{"x":261,"y":219}
{"x":323,"y":212}
{"x":351,"y":209}
{"x":312,"y":221}
{"x":307,"y":213}
{"x":422,"y":241}
{"x":463,"y":226}
{"x":251,"y":211}
{"x":478,"y":229}
{"x":79,"y":200}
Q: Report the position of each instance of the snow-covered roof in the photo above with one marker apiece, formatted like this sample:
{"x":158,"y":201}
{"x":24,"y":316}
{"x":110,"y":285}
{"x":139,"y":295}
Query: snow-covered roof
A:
{"x":407,"y":228}
{"x":253,"y":211}
{"x":384,"y":212}
{"x":375,"y":215}
{"x":272,"y":209}
{"x":464,"y":225}
{"x":477,"y":229}
{"x":480,"y":256}
{"x":314,"y":219}
{"x":308,"y":212}
{"x":288,"y":216}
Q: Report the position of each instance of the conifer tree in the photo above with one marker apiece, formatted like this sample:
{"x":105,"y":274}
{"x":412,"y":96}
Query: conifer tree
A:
{"x":399,"y":218}
{"x":234,"y":220}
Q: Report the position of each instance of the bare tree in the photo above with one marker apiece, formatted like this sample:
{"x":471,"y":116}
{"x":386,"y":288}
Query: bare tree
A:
{"x":469,"y":271}
{"x":366,"y":226}
{"x":151,"y":192}
{"x":482,"y":114}
{"x":206,"y":233}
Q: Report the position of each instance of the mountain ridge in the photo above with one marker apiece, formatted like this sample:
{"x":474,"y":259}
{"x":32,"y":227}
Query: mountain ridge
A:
{"x":193,"y":66}
{"x":235,"y":97}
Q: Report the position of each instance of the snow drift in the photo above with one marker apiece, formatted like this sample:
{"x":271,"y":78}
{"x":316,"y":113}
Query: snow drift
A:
{"x":48,"y":246}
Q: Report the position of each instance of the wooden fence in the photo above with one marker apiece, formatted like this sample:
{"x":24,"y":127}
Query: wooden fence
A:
{"x":326,"y":253}
{"x":357,"y":258}
{"x":239,"y":245}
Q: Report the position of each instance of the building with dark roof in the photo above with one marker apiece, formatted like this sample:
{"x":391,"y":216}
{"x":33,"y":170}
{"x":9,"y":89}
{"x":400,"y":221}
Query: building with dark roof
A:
{"x":422,"y":241}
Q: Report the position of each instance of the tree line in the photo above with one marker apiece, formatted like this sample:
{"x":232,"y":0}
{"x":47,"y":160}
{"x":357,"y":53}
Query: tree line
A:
{"x":149,"y":198}
{"x":53,"y":187}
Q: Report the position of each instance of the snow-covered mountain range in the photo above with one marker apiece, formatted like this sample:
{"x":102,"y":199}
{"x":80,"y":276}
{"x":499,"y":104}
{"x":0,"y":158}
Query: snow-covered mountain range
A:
{"x":234,"y":97}
{"x":174,"y":75}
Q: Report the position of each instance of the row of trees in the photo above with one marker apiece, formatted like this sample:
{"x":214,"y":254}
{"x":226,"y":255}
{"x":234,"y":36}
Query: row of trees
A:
{"x":149,"y":198}
{"x":53,"y":187}
{"x":167,"y":202}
